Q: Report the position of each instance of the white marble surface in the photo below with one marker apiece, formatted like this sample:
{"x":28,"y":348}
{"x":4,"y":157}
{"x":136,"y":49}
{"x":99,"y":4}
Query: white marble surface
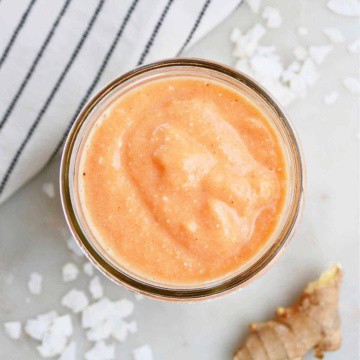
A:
{"x":32,"y":228}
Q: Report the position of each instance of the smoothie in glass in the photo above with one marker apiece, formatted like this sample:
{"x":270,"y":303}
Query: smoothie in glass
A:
{"x":183,"y":180}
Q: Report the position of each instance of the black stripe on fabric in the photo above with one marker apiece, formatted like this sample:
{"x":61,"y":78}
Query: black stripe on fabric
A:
{"x":51,"y":96}
{"x":196,"y":25}
{"x":16,"y":32}
{"x":34,"y":64}
{"x":151,"y":40}
{"x":97,"y":77}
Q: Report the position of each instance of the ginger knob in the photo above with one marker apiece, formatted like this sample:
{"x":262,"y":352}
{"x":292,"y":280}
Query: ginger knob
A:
{"x":312,"y":323}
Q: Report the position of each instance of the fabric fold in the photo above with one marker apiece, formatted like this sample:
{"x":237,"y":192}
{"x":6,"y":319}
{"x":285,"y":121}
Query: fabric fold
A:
{"x":56,"y":55}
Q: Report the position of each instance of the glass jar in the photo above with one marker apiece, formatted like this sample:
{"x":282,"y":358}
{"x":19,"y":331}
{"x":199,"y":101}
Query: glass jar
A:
{"x":182,"y":67}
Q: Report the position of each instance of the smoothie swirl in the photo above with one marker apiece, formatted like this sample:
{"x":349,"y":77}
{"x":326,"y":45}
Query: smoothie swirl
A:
{"x":183,"y":180}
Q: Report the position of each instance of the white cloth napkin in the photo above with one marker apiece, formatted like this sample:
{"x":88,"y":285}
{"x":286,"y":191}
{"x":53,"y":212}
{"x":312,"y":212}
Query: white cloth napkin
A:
{"x":54,"y":55}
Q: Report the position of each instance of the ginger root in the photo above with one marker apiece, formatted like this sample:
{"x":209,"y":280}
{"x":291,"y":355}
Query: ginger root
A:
{"x":312,"y":323}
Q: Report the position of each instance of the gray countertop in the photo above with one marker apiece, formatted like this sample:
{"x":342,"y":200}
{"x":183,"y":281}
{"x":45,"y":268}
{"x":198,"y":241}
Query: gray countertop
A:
{"x":33,"y":230}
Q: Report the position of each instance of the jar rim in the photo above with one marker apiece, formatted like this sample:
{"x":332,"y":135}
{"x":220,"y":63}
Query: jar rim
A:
{"x":160,"y":291}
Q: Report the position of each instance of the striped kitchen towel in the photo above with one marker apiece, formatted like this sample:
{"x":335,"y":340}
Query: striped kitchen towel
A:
{"x":54,"y":55}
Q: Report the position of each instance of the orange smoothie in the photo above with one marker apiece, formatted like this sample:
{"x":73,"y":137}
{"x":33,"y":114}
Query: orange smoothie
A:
{"x":183,"y":180}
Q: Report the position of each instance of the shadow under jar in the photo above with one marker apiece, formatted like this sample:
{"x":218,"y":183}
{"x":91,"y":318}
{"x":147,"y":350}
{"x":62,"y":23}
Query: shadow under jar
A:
{"x":182,"y":180}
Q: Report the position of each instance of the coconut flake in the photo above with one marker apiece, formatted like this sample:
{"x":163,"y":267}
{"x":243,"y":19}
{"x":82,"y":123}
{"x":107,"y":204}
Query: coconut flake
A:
{"x":105,"y":318}
{"x":290,"y":71}
{"x":267,"y":66}
{"x":13,"y":329}
{"x":244,"y":66}
{"x":69,"y":352}
{"x":62,"y":325}
{"x":247,"y":44}
{"x":334,"y":35}
{"x":95,"y":288}
{"x":75,"y":300}
{"x":101,"y":331}
{"x":96,"y":313}
{"x":331,"y":97}
{"x":309,"y":72}
{"x":319,"y":53}
{"x":55,"y":338}
{"x":123,"y":308}
{"x":344,"y":7}
{"x":143,"y":352}
{"x":354,"y":47}
{"x":36,"y":328}
{"x":48,"y":189}
{"x":35,"y":283}
{"x":254,"y":5}
{"x":121,"y":329}
{"x":282,"y":92}
{"x":272,"y":17}
{"x":119,"y":332}
{"x":264,"y":64}
{"x":101,"y":351}
{"x":88,"y":268}
{"x":69,"y":272}
{"x":352,"y":84}
{"x":52,"y":344}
